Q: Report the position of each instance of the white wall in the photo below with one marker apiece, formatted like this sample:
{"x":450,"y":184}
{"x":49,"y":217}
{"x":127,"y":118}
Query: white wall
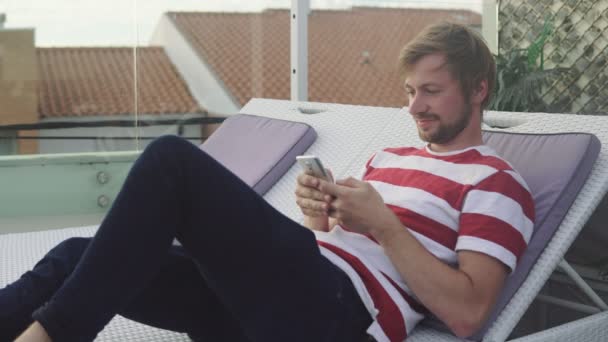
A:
{"x":209,"y":91}
{"x":106,"y":143}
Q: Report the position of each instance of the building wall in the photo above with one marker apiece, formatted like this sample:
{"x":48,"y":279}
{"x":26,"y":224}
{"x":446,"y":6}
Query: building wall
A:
{"x":208,"y":91}
{"x":579,"y":41}
{"x":18,"y":81}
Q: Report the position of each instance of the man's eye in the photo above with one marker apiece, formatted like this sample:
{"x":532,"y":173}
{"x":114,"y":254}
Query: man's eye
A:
{"x":432,"y":91}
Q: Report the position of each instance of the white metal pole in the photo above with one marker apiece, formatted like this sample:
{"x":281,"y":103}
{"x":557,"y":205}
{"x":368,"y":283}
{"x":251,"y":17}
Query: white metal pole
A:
{"x":571,"y":272}
{"x":299,"y":49}
{"x":489,"y":24}
{"x":588,"y":309}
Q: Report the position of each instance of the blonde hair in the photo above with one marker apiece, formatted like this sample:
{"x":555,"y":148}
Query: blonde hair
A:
{"x":468,"y":58}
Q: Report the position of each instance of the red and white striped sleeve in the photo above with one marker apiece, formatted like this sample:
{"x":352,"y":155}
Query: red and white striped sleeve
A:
{"x":365,"y":169}
{"x":497,"y":218}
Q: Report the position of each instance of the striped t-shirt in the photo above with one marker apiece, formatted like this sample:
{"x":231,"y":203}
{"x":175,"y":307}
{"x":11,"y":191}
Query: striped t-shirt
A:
{"x":461,"y":200}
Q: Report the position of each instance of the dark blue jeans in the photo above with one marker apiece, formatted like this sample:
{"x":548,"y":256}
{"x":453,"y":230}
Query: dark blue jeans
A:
{"x":245,"y":271}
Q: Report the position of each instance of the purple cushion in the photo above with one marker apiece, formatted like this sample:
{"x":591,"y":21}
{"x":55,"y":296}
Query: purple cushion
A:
{"x":257,"y":149}
{"x":555,"y":166}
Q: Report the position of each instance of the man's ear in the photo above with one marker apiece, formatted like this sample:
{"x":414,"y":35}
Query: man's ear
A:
{"x":480,"y":93}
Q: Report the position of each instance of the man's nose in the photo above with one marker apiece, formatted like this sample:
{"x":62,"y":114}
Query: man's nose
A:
{"x":417,"y":105}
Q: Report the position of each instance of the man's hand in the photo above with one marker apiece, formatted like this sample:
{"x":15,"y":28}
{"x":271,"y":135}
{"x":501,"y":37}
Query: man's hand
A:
{"x":308,"y":197}
{"x":357,"y":205}
{"x":312,"y":202}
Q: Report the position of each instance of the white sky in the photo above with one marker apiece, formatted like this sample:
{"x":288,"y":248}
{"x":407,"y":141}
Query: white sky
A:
{"x":123,"y":22}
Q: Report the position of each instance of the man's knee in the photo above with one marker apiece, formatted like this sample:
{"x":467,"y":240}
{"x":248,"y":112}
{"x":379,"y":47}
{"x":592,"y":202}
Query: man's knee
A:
{"x":172,"y":150}
{"x":169,"y":143}
{"x":70,"y":250}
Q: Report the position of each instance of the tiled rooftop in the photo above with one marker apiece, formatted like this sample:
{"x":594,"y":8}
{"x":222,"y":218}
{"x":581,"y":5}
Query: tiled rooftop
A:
{"x":99,"y":82}
{"x":250,"y":52}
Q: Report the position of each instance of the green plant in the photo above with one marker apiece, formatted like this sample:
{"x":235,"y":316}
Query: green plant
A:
{"x":520,"y":75}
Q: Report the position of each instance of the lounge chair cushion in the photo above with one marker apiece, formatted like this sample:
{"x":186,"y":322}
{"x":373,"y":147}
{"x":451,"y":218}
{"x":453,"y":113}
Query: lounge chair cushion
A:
{"x":258,"y":149}
{"x":555,"y":166}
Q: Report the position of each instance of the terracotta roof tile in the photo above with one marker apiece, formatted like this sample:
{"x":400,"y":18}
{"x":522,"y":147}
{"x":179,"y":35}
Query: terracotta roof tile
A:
{"x":250,"y":52}
{"x":99,"y":81}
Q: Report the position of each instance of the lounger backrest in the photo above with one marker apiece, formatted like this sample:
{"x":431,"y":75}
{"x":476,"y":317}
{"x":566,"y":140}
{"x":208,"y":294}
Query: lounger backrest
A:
{"x":555,"y":166}
{"x":257,"y":149}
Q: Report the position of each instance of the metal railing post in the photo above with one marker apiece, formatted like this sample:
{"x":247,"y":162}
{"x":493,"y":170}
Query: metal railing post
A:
{"x":299,"y":49}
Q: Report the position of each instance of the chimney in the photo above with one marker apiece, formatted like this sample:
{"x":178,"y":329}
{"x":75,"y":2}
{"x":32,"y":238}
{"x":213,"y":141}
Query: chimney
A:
{"x":18,"y":81}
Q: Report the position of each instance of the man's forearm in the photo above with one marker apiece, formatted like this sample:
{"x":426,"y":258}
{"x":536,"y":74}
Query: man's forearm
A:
{"x":322,"y":223}
{"x":317,"y":223}
{"x":447,"y":292}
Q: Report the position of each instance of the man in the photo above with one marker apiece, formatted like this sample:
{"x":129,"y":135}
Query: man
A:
{"x":437,"y":229}
{"x":468,"y":215}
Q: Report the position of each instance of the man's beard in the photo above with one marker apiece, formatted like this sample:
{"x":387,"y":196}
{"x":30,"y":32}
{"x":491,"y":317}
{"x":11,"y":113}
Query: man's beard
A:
{"x":446,"y":132}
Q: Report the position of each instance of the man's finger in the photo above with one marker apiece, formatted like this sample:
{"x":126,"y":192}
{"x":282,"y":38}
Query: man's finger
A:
{"x":332,"y":189}
{"x":313,"y":213}
{"x":312,"y":204}
{"x":333,"y":208}
{"x":308,"y":180}
{"x":309,"y":193}
{"x":350,"y":182}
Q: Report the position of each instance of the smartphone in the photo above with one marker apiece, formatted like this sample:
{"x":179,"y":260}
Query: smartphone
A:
{"x":313,"y":165}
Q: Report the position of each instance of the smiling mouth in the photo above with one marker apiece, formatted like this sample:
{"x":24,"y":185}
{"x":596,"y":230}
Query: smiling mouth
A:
{"x":421,"y":121}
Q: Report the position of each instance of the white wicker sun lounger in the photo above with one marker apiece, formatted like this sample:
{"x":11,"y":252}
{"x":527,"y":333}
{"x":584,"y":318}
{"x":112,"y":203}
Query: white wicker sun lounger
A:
{"x":347,"y":135}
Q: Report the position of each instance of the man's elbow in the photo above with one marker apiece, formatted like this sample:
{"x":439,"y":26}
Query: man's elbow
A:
{"x":464,"y":328}
{"x":466,"y":324}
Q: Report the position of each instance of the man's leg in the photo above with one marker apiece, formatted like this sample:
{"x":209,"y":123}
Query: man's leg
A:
{"x":19,"y":299}
{"x":179,"y":299}
{"x":176,"y":299}
{"x":265,"y":269}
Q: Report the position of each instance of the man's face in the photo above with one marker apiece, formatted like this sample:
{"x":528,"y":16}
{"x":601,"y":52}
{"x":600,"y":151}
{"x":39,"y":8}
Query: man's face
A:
{"x":436,"y":101}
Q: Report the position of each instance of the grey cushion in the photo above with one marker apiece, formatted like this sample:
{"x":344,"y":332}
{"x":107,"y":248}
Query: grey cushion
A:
{"x":555,"y":166}
{"x":257,"y":149}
